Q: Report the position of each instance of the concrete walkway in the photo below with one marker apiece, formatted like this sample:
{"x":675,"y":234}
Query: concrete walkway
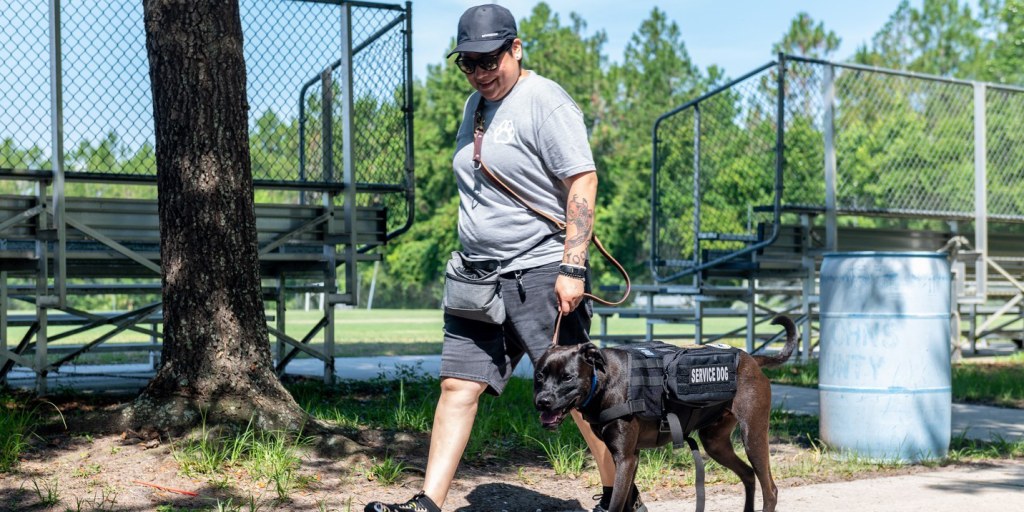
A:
{"x":975,"y":488}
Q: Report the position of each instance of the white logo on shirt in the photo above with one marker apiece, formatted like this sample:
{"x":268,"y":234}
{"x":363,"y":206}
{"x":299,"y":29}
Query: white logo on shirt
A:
{"x":504,"y":133}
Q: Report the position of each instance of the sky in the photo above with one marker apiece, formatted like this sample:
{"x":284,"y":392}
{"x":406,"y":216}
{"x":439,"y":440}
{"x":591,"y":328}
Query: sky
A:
{"x":737,"y":35}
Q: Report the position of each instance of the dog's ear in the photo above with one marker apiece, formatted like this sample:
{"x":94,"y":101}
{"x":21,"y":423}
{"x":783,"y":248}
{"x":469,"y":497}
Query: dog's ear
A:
{"x":592,"y":355}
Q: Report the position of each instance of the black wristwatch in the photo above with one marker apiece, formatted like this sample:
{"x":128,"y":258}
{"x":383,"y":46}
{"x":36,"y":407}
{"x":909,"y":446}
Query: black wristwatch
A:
{"x":573,"y":271}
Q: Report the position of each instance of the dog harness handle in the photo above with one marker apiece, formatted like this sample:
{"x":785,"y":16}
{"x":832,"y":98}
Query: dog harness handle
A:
{"x":678,"y":440}
{"x":698,"y":464}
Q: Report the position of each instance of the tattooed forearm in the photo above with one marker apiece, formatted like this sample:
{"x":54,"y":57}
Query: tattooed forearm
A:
{"x":581,"y":216}
{"x":578,"y":259}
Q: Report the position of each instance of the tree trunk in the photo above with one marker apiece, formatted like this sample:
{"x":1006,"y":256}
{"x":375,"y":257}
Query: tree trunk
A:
{"x":216,"y":355}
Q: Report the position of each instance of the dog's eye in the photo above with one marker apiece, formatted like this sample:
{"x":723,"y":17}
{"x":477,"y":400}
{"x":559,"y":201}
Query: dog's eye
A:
{"x":567,"y":377}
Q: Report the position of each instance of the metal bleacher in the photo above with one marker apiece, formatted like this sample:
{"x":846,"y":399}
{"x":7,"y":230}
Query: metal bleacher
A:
{"x":63,"y":245}
{"x":799,"y":129}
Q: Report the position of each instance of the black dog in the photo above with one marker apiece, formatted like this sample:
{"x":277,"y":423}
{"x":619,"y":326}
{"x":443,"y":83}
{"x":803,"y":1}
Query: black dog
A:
{"x":563,"y":381}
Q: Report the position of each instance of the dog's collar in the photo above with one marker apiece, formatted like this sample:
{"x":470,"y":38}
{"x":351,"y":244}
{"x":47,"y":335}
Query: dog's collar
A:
{"x":593,"y":389}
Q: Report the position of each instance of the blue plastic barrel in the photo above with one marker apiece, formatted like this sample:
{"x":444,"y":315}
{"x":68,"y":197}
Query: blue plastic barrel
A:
{"x":884,"y":373}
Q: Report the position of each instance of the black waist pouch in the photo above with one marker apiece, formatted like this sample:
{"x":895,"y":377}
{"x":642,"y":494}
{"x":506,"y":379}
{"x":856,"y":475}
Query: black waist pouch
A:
{"x":472,"y":289}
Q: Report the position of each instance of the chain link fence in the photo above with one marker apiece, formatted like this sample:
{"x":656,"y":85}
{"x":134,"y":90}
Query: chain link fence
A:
{"x":24,"y":86}
{"x":903,"y":144}
{"x":107,"y":102}
{"x":714,"y":162}
{"x":1005,"y":138}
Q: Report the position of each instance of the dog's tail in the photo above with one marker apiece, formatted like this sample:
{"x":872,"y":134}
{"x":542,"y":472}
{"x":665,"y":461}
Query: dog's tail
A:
{"x":787,"y":350}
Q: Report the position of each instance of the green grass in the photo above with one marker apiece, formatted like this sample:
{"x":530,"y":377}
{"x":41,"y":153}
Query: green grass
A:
{"x":567,"y":456}
{"x":48,"y":491}
{"x":962,"y":449}
{"x":87,"y":470}
{"x":997,"y":384}
{"x":388,"y":471}
{"x":796,"y":374}
{"x":1016,"y":357}
{"x":408,"y":417}
{"x":406,"y":403}
{"x":358,"y":333}
{"x":208,"y":454}
{"x":16,"y":425}
{"x":1000,"y":383}
{"x":660,"y":465}
{"x":268,"y":456}
{"x":274,"y":458}
{"x":251,"y":504}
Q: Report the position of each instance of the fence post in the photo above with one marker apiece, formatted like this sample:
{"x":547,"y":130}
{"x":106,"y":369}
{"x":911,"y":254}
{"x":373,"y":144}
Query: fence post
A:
{"x":348,"y":147}
{"x":330,"y":251}
{"x":980,"y":191}
{"x":4,"y":341}
{"x":57,"y":160}
{"x":698,"y":279}
{"x":828,"y":124}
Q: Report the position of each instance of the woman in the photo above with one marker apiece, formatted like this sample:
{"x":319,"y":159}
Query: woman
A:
{"x":535,"y":141}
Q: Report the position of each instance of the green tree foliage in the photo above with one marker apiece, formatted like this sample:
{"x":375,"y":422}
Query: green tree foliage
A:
{"x":808,"y":39}
{"x":889,"y":131}
{"x":1008,"y":46}
{"x":566,"y":55}
{"x":942,"y":37}
{"x":656,"y":74}
{"x":946,"y":36}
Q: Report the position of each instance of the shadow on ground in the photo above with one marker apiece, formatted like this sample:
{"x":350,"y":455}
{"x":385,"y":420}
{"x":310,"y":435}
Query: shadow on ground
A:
{"x":495,"y":497}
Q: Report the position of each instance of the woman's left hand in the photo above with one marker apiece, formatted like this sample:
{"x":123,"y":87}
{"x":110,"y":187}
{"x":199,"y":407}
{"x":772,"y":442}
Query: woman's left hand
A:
{"x":569,"y":292}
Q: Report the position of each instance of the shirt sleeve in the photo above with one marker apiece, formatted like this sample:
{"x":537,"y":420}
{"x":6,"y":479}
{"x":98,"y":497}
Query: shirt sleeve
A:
{"x":563,"y":143}
{"x":465,"y":131}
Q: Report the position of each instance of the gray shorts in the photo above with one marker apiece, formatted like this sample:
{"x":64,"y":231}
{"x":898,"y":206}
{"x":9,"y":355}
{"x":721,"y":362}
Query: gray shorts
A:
{"x":483,"y":352}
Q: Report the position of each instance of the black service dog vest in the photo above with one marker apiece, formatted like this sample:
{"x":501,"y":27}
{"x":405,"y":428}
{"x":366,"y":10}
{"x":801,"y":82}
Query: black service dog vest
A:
{"x":691,"y":381}
{"x":685,"y":388}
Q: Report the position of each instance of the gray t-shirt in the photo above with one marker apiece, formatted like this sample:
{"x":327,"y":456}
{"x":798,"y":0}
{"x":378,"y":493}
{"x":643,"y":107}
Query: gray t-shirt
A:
{"x":534,"y":138}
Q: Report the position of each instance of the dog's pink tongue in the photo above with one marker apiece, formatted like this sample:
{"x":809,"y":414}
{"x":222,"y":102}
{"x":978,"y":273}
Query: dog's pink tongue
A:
{"x":548,"y":417}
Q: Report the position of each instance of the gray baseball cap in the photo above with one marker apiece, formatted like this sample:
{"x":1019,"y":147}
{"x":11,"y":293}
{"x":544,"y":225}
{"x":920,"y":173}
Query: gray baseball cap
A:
{"x":484,"y":28}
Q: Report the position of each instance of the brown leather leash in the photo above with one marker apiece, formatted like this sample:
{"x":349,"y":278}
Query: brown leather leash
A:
{"x":478,"y":140}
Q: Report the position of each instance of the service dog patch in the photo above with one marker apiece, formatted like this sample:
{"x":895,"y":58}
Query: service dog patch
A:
{"x":709,"y":374}
{"x":702,"y":377}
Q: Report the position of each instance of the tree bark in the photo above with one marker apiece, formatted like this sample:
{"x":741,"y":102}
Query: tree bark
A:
{"x":216,"y":355}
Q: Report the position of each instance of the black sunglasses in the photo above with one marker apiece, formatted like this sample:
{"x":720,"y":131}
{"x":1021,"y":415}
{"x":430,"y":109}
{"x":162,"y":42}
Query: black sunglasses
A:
{"x":488,"y":62}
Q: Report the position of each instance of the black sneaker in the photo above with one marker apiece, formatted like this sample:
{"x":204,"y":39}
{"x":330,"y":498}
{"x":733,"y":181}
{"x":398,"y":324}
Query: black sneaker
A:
{"x":606,"y":498}
{"x":419,"y":503}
